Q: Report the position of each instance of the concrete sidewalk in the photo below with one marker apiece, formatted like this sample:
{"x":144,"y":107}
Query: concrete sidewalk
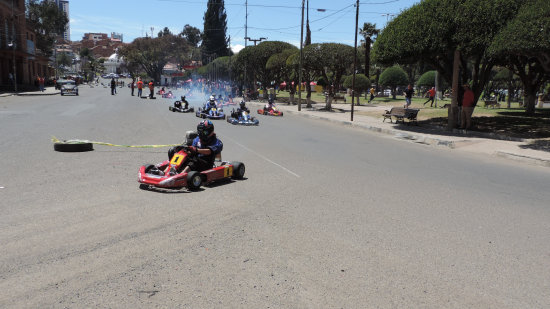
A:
{"x":460,"y":140}
{"x":47,"y":91}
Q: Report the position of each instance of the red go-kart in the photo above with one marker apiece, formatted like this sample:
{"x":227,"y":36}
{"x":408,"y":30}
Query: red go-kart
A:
{"x":154,"y":175}
{"x":270,"y":111}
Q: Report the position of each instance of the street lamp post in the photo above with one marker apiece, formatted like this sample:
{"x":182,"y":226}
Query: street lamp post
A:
{"x":354,"y":60}
{"x":300,"y":63}
{"x":13,"y":45}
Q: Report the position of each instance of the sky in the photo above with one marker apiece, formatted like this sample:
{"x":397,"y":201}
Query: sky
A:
{"x":330,"y":21}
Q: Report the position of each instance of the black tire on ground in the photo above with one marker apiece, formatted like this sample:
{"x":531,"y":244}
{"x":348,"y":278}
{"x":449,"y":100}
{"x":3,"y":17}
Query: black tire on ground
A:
{"x":238,"y":170}
{"x":143,"y":186}
{"x":73,"y":147}
{"x":194,"y":180}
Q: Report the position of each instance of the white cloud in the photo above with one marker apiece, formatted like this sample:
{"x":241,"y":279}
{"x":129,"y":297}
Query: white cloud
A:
{"x":237,"y":48}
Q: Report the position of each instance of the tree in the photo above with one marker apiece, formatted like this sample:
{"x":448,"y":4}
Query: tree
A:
{"x":164,"y":32}
{"x":362,"y":83}
{"x":369,"y":32}
{"x":427,"y":79}
{"x":192,"y":35}
{"x":393,"y":77}
{"x":255,"y":58}
{"x":152,"y":54}
{"x":277,"y":65}
{"x":214,"y":39}
{"x":47,"y":21}
{"x":63,"y":60}
{"x":411,"y":37}
{"x":525,"y":46}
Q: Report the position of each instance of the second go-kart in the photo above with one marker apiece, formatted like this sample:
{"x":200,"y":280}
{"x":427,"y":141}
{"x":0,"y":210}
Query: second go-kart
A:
{"x":178,"y":107}
{"x":210,"y":113}
{"x":242,"y":117}
{"x":154,"y":176}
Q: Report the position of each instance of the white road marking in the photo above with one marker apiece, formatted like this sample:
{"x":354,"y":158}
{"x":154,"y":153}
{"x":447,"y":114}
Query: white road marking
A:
{"x":268,"y":160}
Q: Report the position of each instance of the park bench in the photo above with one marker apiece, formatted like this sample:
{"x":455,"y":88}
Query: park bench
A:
{"x":401,"y":114}
{"x":491,"y":103}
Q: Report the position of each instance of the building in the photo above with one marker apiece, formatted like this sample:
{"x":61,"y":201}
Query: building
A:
{"x":64,"y":7}
{"x":19,"y":59}
{"x":99,"y":44}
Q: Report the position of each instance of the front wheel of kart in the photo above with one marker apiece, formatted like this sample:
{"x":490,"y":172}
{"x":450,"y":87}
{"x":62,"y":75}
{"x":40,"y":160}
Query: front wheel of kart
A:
{"x":194,"y":180}
{"x":238,"y":170}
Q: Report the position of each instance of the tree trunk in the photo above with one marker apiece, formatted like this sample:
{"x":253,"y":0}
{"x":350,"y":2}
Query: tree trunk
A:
{"x":328,"y":105}
{"x":291,"y":98}
{"x":394,"y":92}
{"x":308,"y":96}
{"x":453,"y":110}
{"x":529,"y":102}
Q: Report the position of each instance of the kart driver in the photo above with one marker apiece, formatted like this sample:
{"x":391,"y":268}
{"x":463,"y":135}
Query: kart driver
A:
{"x":269,"y":105}
{"x":211,"y":103}
{"x":206,"y":146}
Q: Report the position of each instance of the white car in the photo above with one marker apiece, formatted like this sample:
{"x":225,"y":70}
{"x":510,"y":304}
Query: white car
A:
{"x":69,"y":87}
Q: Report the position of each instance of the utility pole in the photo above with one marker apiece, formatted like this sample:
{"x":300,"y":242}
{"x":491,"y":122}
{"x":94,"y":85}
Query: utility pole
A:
{"x":354,"y":61}
{"x":245,"y":35}
{"x":300,"y":64}
{"x":255,"y":40}
{"x":14,"y":45}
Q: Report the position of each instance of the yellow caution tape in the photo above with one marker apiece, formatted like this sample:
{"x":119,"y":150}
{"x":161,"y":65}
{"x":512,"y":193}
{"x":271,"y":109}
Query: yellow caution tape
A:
{"x":79,"y":141}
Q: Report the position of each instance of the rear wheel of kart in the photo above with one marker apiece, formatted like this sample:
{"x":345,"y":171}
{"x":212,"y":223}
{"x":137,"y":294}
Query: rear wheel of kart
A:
{"x":73,"y":147}
{"x":238,"y":170}
{"x":143,"y":186}
{"x":194,"y":180}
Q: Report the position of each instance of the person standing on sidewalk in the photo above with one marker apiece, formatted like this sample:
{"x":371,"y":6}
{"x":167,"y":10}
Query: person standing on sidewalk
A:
{"x":431,"y":96}
{"x":113,"y":86}
{"x":467,"y":107}
{"x":408,"y":96}
{"x":140,"y":87}
{"x":151,"y":89}
{"x":132,"y":86}
{"x":41,"y":83}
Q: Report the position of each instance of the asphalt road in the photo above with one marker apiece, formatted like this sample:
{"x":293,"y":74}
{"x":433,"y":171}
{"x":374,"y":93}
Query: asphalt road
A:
{"x":327,"y":216}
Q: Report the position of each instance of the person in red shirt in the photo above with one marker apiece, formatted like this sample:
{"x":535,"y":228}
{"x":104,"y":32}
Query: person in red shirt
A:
{"x":151,"y":89}
{"x":431,"y":96}
{"x":467,"y":107}
{"x":140,"y":87}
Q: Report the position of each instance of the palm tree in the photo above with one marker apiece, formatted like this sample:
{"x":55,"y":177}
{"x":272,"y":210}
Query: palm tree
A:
{"x":369,"y":32}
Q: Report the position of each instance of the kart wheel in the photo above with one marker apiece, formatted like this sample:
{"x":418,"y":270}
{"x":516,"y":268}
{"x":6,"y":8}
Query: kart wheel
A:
{"x":73,"y":147}
{"x":143,"y":186}
{"x":194,"y":180}
{"x":238,"y":170}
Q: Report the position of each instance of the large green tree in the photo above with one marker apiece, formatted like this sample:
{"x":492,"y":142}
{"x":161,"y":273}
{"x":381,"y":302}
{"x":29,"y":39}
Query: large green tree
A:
{"x":152,"y":54}
{"x":253,"y":59}
{"x":214,"y":38}
{"x":432,"y":30}
{"x":47,"y":21}
{"x":524,"y":46}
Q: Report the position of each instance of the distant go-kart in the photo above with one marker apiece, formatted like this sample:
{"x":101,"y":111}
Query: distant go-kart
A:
{"x":153,"y":175}
{"x":270,"y":111}
{"x":210,"y":113}
{"x":242,"y":118}
{"x":181,"y":108}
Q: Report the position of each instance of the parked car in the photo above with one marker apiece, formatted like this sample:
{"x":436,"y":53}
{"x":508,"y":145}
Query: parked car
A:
{"x":69,"y":87}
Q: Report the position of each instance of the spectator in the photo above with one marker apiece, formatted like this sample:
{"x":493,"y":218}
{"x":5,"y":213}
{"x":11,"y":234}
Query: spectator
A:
{"x":140,"y":87}
{"x":431,"y":96}
{"x":132,"y":86}
{"x":151,"y":89}
{"x":372,"y":91}
{"x":408,"y":95}
{"x":467,"y":108}
{"x":113,"y":86}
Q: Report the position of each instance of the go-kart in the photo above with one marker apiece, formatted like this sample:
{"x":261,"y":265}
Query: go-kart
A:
{"x":168,"y":95}
{"x":154,"y":176}
{"x":210,"y":113}
{"x":270,"y":111}
{"x":242,"y":118}
{"x":182,"y":109}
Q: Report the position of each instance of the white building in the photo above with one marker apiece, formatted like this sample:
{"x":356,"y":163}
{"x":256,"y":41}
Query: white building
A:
{"x":112,"y":64}
{"x":64,"y":6}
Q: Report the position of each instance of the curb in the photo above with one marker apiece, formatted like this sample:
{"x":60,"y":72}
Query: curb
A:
{"x":517,"y":157}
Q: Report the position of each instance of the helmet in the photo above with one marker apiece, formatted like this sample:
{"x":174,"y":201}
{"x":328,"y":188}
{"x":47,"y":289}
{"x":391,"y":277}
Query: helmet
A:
{"x":270,"y":100}
{"x":242,"y":104}
{"x":204,"y":129}
{"x":212,"y":98}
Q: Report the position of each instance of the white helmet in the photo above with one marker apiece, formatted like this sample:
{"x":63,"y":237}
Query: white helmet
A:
{"x":212,"y":98}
